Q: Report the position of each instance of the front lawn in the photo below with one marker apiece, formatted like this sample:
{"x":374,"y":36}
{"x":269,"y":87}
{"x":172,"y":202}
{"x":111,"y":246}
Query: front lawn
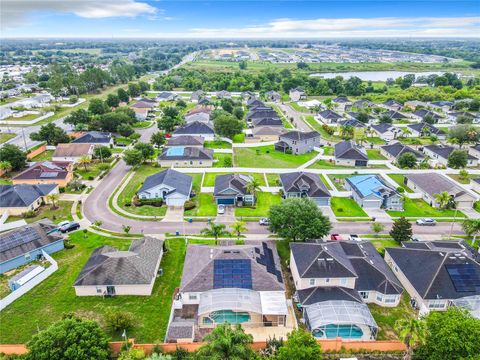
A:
{"x":4,"y":137}
{"x":90,"y":172}
{"x":327,"y":164}
{"x":45,"y":156}
{"x":419,"y":208}
{"x":217,"y":144}
{"x":268,"y":157}
{"x":50,"y":300}
{"x":205,"y":206}
{"x":374,"y":154}
{"x":61,"y":213}
{"x":209,"y":179}
{"x":273,"y":179}
{"x":346,"y":207}
{"x":262,"y":206}
{"x":143,"y":124}
{"x":375,"y":140}
{"x":461,"y":180}
{"x":399,"y":179}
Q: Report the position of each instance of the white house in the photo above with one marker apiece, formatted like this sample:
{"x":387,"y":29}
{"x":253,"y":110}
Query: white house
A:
{"x":169,"y":185}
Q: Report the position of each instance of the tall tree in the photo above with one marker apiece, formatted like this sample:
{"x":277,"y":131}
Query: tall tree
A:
{"x":401,"y":230}
{"x":146,"y":150}
{"x":52,"y":134}
{"x":215,"y":230}
{"x":457,"y":159}
{"x":132,"y":157}
{"x":253,"y":186}
{"x":85,"y":161}
{"x":471,"y":227}
{"x":412,"y":332}
{"x":407,"y":160}
{"x":300,"y":345}
{"x":238,"y":227}
{"x":14,"y":155}
{"x":444,"y":200}
{"x":123,"y":95}
{"x":112,"y":100}
{"x":97,"y":107}
{"x":157,"y":139}
{"x":464,"y":134}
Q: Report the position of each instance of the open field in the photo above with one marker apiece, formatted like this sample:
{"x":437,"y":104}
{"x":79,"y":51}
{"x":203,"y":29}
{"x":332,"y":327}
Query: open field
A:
{"x":268,"y":157}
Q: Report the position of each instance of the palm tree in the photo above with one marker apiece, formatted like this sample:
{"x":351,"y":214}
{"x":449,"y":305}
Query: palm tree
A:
{"x":253,"y":186}
{"x":346,"y":132}
{"x":443,"y":199}
{"x":412,"y":332}
{"x":215,"y":231}
{"x":85,"y":161}
{"x":471,"y":228}
{"x":53,"y":199}
{"x":406,"y":131}
{"x":5,"y":167}
{"x":238,"y":227}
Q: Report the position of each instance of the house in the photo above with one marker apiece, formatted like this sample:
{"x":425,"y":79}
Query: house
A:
{"x":297,"y":94}
{"x":353,"y":123}
{"x":476,"y":184}
{"x":426,"y":129}
{"x":267,"y":133}
{"x":298,"y":142}
{"x":449,"y":273}
{"x":440,"y":153}
{"x":414,"y":104}
{"x":342,"y":103}
{"x":112,"y":272}
{"x":95,"y":137}
{"x":444,"y":106}
{"x":19,"y":199}
{"x":303,"y":184}
{"x":335,"y":280}
{"x":197,"y":95}
{"x":179,"y":156}
{"x":387,"y":132}
{"x":267,"y":121}
{"x":474,"y":150}
{"x":72,"y":152}
{"x":393,"y":115}
{"x":273,"y":96}
{"x":372,"y":192}
{"x":171,"y":186}
{"x":423,"y":113}
{"x":141,"y":113}
{"x":224,"y":94}
{"x":363,"y":104}
{"x":196,"y":128}
{"x":254,"y":102}
{"x":143,"y":105}
{"x":204,"y":101}
{"x":431,"y":184}
{"x":25,"y":244}
{"x":46,"y":172}
{"x":453,"y":116}
{"x":397,"y":149}
{"x":240,"y":284}
{"x":329,"y":116}
{"x":198,"y":114}
{"x":260,"y":113}
{"x":167,"y":96}
{"x":186,"y":140}
{"x":231,"y":189}
{"x":392,"y":105}
{"x":348,"y":153}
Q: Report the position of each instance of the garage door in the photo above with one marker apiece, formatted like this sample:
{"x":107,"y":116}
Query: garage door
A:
{"x":175,"y":201}
{"x":226,"y":201}
{"x":360,"y":163}
{"x":371,"y":204}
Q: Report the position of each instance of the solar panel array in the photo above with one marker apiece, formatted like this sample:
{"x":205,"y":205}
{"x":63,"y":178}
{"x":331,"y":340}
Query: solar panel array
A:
{"x":49,"y":174}
{"x":232,"y":273}
{"x":465,"y":277}
{"x":17,"y":238}
{"x":266,"y":259}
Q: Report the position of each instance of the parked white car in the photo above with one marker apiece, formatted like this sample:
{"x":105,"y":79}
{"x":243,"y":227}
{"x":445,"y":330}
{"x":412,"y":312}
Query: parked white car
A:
{"x":221,"y":209}
{"x":426,"y":222}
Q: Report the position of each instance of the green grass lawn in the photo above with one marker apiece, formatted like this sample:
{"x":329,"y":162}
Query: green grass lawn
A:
{"x":220,"y":157}
{"x":209,"y":179}
{"x":24,"y":118}
{"x":142,"y":124}
{"x":346,"y":207}
{"x":217,"y":144}
{"x":262,"y":206}
{"x":457,"y":178}
{"x":91,"y":172}
{"x":61,"y":213}
{"x":268,"y":157}
{"x":415,"y":141}
{"x":54,"y":297}
{"x":205,"y":206}
{"x":123,"y":140}
{"x":4,"y":137}
{"x":327,"y":164}
{"x":322,"y":177}
{"x":380,"y":245}
{"x":273,"y":179}
{"x":309,"y":119}
{"x":374,"y":154}
{"x":327,"y":150}
{"x":286,"y":123}
{"x":299,"y":108}
{"x":375,"y":140}
{"x":419,"y":208}
{"x":239,"y":138}
{"x":45,"y":156}
{"x":4,"y":181}
{"x":399,"y":178}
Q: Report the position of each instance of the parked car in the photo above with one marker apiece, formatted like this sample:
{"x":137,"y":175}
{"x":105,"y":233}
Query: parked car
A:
{"x":63,"y":223}
{"x":354,"y":237}
{"x":335,"y":237}
{"x":426,"y":222}
{"x":70,"y":227}
{"x":264,"y":221}
{"x":221,"y":209}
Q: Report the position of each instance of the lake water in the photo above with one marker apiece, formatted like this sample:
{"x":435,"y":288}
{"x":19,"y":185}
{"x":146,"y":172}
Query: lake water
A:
{"x":374,"y":75}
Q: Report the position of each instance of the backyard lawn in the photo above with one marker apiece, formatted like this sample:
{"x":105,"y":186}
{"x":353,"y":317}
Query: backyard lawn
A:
{"x":4,"y":137}
{"x":346,"y":207}
{"x":209,"y":179}
{"x":268,"y":157}
{"x":61,"y":213}
{"x":419,"y":208}
{"x":54,"y":297}
{"x":338,"y":180}
{"x":219,"y":159}
{"x":262,"y":206}
{"x":309,"y":119}
{"x":273,"y":179}
{"x":45,"y":156}
{"x":399,"y":178}
{"x":374,"y":154}
{"x":217,"y":144}
{"x":327,"y":164}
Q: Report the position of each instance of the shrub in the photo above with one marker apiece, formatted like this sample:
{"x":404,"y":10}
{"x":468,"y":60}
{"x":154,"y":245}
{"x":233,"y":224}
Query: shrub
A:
{"x":91,"y":177}
{"x":189,"y":205}
{"x":340,"y":210}
{"x":28,"y":214}
{"x":151,"y":202}
{"x":61,"y":190}
{"x":128,"y":204}
{"x":68,"y":245}
{"x":118,"y":320}
{"x":227,"y":162}
{"x":400,"y":189}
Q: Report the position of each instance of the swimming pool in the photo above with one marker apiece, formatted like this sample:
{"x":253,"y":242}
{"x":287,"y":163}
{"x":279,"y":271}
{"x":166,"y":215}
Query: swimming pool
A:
{"x":229,"y":316}
{"x":331,"y":331}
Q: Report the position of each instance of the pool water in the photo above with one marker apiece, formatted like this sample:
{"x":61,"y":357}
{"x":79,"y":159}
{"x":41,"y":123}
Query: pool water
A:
{"x":230,"y":316}
{"x":331,"y":331}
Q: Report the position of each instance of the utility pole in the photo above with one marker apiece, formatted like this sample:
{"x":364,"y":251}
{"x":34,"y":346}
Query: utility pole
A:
{"x":24,"y":140}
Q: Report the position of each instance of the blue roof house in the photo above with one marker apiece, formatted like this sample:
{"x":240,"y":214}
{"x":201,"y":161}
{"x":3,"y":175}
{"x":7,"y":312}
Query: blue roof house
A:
{"x":371,"y":192}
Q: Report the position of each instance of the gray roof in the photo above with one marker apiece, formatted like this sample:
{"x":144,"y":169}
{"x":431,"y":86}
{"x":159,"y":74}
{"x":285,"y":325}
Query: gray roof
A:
{"x":182,"y":183}
{"x":185,"y":140}
{"x":318,"y":294}
{"x":434,"y":183}
{"x":22,"y":240}
{"x":392,"y":102}
{"x":421,"y":127}
{"x":352,"y":122}
{"x":433,"y":281}
{"x":268,"y":130}
{"x":109,"y":266}
{"x":362,"y":103}
{"x":301,"y":181}
{"x":23,"y":195}
{"x":189,"y":153}
{"x":341,"y":99}
{"x":298,"y":135}
{"x":194,"y":128}
{"x":349,"y":150}
{"x":444,"y":151}
{"x":236,"y":182}
{"x":267,"y":121}
{"x":329,"y":114}
{"x":343,"y":259}
{"x":383,"y":128}
{"x":94,"y":137}
{"x":392,"y":114}
{"x":424,"y":112}
{"x":198,"y":269}
{"x":261,"y":113}
{"x":397,"y":149}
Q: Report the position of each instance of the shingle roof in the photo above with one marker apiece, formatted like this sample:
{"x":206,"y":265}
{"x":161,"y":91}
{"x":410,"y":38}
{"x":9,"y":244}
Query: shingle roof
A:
{"x":22,"y":240}
{"x":391,"y":103}
{"x":268,"y":121}
{"x":397,"y":149}
{"x":298,"y":135}
{"x":445,"y":150}
{"x":349,"y":150}
{"x":194,"y":128}
{"x":182,"y":183}
{"x":434,"y":183}
{"x":383,"y":128}
{"x":424,"y":112}
{"x":268,"y":130}
{"x":352,"y":122}
{"x":392,"y":114}
{"x":189,"y":153}
{"x":198,"y":269}
{"x":299,"y":181}
{"x":142,"y":105}
{"x":318,"y":294}
{"x":236,"y":182}
{"x":72,"y":150}
{"x":259,"y":114}
{"x":23,"y":195}
{"x":419,"y":127}
{"x":46,"y":170}
{"x":329,"y":114}
{"x":109,"y":266}
{"x":94,"y":137}
{"x":185,"y":140}
{"x":341,"y":99}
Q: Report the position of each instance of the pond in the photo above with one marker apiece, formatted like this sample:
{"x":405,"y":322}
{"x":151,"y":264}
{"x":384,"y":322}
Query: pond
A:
{"x":374,"y":75}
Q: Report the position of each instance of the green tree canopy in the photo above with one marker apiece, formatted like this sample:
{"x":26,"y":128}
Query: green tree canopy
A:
{"x":14,"y":155}
{"x":157,"y":139}
{"x":401,"y":230}
{"x":407,"y":160}
{"x":464,"y":134}
{"x":112,"y":100}
{"x":146,"y":150}
{"x":227,"y":125}
{"x":300,"y":345}
{"x":80,"y":116}
{"x":133,"y":157}
{"x":123,"y":95}
{"x":457,"y":159}
{"x":97,"y":107}
{"x":51,"y":133}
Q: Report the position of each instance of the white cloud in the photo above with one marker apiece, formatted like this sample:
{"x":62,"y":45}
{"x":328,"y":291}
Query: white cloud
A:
{"x":14,"y":13}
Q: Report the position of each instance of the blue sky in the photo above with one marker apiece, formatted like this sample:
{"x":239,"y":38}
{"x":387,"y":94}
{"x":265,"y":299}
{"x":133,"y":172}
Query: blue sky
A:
{"x":239,"y":19}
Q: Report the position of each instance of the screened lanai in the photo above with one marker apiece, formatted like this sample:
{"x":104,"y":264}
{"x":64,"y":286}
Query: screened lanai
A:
{"x":340,"y":318}
{"x":471,"y":303}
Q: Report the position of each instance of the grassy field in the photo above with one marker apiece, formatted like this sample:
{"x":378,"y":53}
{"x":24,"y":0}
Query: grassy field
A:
{"x":46,"y":155}
{"x":220,"y":157}
{"x":54,"y":297}
{"x":374,"y":154}
{"x":267,"y":157}
{"x":310,"y":120}
{"x":399,"y":178}
{"x":90,"y":173}
{"x":24,"y":118}
{"x":61,"y":213}
{"x":327,"y":164}
{"x":209,"y":179}
{"x":217,"y":144}
{"x":264,"y":201}
{"x":4,"y":137}
{"x":346,"y":207}
{"x":205,"y":206}
{"x":419,"y":208}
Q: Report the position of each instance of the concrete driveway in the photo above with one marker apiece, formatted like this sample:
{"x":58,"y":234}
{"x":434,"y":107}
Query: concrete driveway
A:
{"x":173,"y":214}
{"x":379,"y":214}
{"x":229,"y":215}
